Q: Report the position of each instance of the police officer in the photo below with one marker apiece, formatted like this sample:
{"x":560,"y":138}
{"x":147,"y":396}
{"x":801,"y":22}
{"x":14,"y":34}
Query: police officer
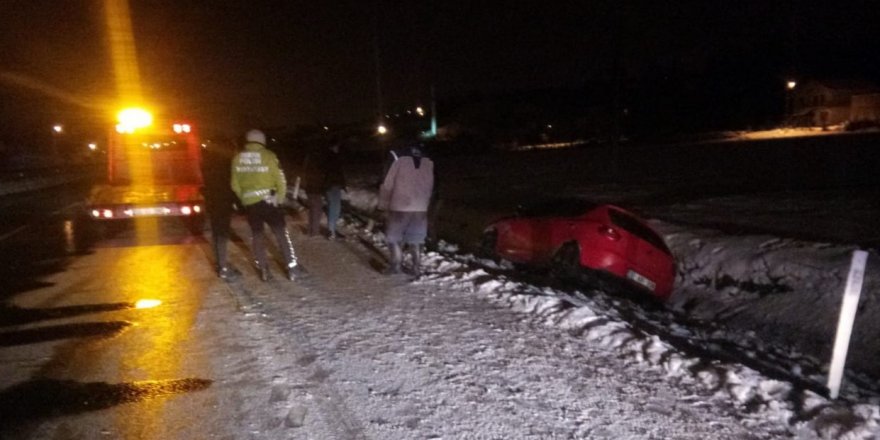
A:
{"x":258,"y":181}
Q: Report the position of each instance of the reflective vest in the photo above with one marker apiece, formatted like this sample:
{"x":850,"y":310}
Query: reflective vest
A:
{"x":256,"y":174}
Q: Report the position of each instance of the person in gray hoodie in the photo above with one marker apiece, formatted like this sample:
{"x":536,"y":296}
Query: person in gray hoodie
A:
{"x":405,"y":195}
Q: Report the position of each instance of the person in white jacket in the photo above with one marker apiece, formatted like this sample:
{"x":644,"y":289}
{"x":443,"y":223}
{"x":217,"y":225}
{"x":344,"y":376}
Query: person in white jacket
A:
{"x":405,"y":195}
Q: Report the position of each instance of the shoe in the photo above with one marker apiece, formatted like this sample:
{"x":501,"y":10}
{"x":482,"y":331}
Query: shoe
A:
{"x":265,"y":274}
{"x":228,"y":274}
{"x":331,"y":236}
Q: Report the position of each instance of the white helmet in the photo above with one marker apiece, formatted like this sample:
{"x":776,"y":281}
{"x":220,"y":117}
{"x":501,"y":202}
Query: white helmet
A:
{"x":255,"y":136}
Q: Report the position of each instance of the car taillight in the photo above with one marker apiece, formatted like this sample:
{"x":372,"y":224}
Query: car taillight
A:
{"x":96,"y":213}
{"x":197,"y":209}
{"x":609,"y":232}
{"x":186,"y":210}
{"x":107,"y":213}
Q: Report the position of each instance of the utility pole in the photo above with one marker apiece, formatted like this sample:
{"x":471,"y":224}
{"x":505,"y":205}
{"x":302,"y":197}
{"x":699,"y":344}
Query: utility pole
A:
{"x":381,"y":129}
{"x":378,"y":65}
{"x":433,"y":113}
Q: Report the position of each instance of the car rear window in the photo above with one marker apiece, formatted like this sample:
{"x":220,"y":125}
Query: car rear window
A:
{"x":635,"y":227}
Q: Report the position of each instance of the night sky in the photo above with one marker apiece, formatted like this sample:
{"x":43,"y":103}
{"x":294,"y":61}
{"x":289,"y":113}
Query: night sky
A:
{"x":283,"y":63}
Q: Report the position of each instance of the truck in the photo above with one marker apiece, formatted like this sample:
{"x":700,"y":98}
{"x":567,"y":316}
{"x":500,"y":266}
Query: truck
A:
{"x":153,"y":170}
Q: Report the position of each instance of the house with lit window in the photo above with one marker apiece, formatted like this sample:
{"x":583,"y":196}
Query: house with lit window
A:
{"x":833,"y":102}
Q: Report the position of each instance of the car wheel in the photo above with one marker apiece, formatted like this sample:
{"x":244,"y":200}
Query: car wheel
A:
{"x":488,"y":245}
{"x":566,"y":263}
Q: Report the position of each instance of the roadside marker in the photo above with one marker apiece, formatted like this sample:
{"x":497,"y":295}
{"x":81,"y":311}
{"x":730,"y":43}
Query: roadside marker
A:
{"x":296,"y":189}
{"x":848,"y":309}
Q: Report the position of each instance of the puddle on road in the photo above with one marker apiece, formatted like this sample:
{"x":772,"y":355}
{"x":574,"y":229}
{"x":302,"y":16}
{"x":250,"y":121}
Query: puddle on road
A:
{"x":45,"y":398}
{"x":66,"y":331}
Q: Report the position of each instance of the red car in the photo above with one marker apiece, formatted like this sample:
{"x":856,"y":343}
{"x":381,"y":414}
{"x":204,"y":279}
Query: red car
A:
{"x":569,"y":235}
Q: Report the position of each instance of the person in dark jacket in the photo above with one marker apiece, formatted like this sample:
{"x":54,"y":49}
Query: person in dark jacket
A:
{"x":324,"y":178}
{"x":220,"y":202}
{"x":313,"y":184}
{"x":334,"y":184}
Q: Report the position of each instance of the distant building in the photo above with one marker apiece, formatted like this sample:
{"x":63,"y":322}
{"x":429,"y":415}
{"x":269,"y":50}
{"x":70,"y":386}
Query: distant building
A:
{"x":865,"y":107}
{"x":833,"y":102}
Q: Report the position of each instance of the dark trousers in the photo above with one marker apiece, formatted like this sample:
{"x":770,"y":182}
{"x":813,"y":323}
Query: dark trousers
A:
{"x":259,"y":215}
{"x":219,"y":215}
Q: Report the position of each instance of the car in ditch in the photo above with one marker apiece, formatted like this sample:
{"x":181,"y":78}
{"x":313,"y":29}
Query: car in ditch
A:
{"x":601,"y":243}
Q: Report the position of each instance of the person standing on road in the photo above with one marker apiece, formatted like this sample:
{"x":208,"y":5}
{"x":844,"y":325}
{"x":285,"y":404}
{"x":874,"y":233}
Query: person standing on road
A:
{"x":406,"y":194}
{"x":220,"y":203}
{"x":313,"y":184}
{"x":334,"y":184}
{"x":324,"y":179}
{"x":258,"y":181}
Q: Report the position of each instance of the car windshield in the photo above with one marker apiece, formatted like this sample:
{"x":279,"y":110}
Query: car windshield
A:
{"x":558,"y":208}
{"x":635,"y":227}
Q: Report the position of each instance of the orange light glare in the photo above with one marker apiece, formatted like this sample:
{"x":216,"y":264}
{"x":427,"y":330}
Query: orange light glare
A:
{"x":147,"y":303}
{"x":131,"y":119}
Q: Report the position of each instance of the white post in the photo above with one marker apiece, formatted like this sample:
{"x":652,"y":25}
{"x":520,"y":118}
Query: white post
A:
{"x":847,"y":318}
{"x":296,"y":189}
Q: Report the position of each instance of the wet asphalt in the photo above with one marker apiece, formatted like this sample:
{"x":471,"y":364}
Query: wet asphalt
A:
{"x":72,"y":310}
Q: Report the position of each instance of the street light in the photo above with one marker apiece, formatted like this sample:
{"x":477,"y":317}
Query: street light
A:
{"x":58,"y":128}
